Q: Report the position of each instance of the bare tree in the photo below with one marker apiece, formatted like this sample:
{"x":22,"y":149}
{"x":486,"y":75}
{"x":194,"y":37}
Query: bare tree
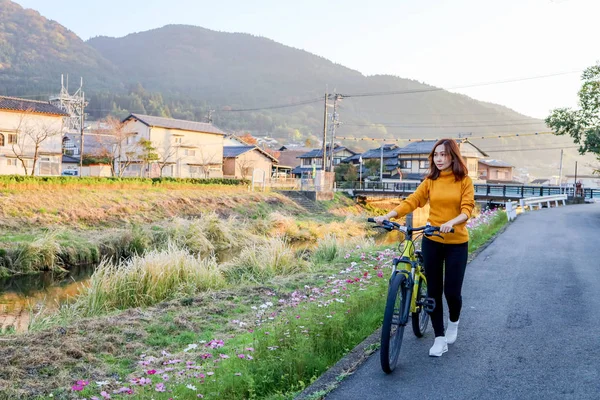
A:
{"x":168,"y":155}
{"x":246,"y":166}
{"x":207,"y":161}
{"x":115,"y":136}
{"x":30,"y":134}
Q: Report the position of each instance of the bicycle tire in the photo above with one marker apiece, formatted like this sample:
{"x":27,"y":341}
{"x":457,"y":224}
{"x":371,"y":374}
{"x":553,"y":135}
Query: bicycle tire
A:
{"x":420,"y":318}
{"x":394,"y":322}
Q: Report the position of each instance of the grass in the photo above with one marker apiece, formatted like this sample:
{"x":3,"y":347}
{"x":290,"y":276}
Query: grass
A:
{"x":146,"y":280}
{"x":480,"y":233}
{"x":298,"y":313}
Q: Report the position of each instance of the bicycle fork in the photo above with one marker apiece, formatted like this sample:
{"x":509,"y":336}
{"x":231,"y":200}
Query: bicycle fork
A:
{"x":406,"y":289}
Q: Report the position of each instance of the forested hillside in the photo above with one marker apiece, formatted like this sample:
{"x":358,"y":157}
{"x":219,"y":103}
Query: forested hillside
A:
{"x":185,"y":71}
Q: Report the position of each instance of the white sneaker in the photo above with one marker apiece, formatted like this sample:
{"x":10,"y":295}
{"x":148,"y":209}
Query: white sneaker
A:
{"x":440,"y":346}
{"x":452,"y":331}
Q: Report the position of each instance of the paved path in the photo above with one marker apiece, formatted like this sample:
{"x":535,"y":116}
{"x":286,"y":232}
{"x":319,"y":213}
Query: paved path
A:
{"x":530,"y":327}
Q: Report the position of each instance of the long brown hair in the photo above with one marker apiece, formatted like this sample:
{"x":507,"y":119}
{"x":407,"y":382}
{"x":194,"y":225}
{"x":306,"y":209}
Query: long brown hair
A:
{"x":459,"y":168}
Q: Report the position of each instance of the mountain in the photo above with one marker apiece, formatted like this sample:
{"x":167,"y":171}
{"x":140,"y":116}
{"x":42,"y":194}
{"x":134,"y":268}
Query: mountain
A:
{"x":184,"y":71}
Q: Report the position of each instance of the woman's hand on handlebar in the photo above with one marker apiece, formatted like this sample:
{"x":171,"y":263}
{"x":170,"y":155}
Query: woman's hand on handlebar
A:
{"x":379,"y":220}
{"x":445,"y":228}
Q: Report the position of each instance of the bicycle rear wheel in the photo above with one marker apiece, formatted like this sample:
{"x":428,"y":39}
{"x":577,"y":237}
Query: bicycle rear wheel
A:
{"x":420,"y":318}
{"x":394,"y":321}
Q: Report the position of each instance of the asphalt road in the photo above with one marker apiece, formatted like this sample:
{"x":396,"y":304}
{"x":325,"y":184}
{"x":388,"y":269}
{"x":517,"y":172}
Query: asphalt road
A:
{"x":530,"y":325}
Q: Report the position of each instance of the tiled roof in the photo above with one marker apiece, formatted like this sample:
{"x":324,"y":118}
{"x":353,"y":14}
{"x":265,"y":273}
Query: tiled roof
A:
{"x":389,"y":151}
{"x":234,"y":151}
{"x":315,"y":153}
{"x":34,"y":106}
{"x":423,"y":147}
{"x":177,"y":124}
{"x":495,"y":163}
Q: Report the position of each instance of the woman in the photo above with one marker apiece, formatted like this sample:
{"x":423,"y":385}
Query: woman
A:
{"x":449,"y":191}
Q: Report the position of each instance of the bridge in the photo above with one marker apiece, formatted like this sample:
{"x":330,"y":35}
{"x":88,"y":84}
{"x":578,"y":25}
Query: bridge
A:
{"x":483,"y":192}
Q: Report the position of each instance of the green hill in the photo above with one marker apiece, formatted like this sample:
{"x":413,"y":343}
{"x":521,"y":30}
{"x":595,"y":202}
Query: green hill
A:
{"x":184,"y":71}
{"x":35,"y":51}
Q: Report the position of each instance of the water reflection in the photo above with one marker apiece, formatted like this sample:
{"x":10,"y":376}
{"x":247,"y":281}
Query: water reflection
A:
{"x":20,"y":294}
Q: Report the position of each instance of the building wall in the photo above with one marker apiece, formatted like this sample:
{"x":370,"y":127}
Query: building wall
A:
{"x":252,"y":161}
{"x":49,"y":154}
{"x":489,"y":173}
{"x":229,"y":166}
{"x":189,"y":151}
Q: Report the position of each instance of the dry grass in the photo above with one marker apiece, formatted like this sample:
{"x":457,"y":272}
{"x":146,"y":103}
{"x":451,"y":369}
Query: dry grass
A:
{"x":261,"y":262}
{"x":118,"y":206}
{"x":146,"y":280}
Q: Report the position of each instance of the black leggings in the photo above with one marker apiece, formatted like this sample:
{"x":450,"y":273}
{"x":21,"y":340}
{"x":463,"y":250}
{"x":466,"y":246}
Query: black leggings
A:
{"x":455,"y":257}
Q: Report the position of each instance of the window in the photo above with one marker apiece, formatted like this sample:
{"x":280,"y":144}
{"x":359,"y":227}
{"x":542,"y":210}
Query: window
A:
{"x":424,"y":164}
{"x":306,"y":162}
{"x":11,"y":162}
{"x":12,"y":138}
{"x":189,"y":152}
{"x":130,"y":139}
{"x":1,"y":139}
{"x":178,"y":140}
{"x":405,"y":164}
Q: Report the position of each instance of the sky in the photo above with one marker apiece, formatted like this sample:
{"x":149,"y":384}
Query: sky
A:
{"x":450,"y":44}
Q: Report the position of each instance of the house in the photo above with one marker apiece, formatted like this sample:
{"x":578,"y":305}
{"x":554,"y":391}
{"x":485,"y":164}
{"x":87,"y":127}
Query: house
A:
{"x":389,"y":153}
{"x":243,"y":161}
{"x":313,"y":160}
{"x":23,"y":125}
{"x":495,"y":171}
{"x":185,"y":149}
{"x":541,"y":181}
{"x":587,"y":181}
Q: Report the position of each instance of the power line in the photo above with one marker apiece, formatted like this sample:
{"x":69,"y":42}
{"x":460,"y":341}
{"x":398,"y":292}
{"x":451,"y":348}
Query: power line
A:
{"x":432,"y":139}
{"x":433,"y":89}
{"x":396,"y":125}
{"x":300,"y":103}
{"x":530,"y":149}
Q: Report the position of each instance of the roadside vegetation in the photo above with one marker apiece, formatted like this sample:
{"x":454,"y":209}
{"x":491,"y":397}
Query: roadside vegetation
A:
{"x":169,"y":319}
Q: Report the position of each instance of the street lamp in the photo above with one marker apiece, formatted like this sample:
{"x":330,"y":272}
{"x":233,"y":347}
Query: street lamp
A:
{"x":360,"y":161}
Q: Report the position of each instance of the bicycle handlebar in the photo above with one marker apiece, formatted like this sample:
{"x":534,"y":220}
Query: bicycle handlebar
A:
{"x":428,"y":230}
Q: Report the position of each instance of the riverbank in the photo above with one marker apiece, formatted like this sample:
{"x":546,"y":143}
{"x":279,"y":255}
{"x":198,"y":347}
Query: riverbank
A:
{"x":172,"y":322}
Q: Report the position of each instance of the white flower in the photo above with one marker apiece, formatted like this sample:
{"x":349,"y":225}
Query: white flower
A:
{"x":191,"y":387}
{"x":102,"y":383}
{"x":190,"y":347}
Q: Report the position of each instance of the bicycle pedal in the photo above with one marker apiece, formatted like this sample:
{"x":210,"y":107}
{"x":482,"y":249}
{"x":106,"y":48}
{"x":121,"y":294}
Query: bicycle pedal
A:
{"x":428,"y":304}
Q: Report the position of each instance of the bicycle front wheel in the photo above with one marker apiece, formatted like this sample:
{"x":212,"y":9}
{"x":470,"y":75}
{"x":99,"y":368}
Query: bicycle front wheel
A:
{"x":394,"y":321}
{"x":420,"y":318}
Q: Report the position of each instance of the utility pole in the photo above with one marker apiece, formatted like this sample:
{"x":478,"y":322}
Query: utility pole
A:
{"x":560,"y":171}
{"x":82,"y":121}
{"x":334,"y":124}
{"x":209,"y":118}
{"x":381,"y":166}
{"x":325,"y":134}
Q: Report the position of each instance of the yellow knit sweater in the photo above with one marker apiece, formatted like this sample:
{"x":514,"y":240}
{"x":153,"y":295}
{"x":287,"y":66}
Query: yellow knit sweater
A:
{"x":447,"y":200}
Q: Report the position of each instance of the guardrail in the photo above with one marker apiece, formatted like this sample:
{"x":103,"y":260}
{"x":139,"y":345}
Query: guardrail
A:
{"x":531,"y":202}
{"x":511,"y":210}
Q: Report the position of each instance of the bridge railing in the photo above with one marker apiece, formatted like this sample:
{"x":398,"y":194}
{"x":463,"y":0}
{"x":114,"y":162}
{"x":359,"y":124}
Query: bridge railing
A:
{"x":481,"y":190}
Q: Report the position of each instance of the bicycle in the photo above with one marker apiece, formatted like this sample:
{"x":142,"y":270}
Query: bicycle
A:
{"x":406,"y":282}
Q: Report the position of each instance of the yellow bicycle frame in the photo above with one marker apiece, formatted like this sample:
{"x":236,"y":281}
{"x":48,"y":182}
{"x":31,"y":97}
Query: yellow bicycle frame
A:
{"x":408,"y":254}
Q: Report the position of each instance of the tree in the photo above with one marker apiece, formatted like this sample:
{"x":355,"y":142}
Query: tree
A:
{"x":246,"y":166}
{"x":114,"y":137}
{"x":372,"y":166}
{"x":30,"y":134}
{"x":167,"y":156}
{"x":583,"y":124}
{"x":346,"y":172}
{"x":147,"y":154}
{"x":249,"y":139}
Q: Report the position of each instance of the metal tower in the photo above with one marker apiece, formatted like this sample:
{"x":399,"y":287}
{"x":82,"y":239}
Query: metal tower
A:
{"x":74,"y":105}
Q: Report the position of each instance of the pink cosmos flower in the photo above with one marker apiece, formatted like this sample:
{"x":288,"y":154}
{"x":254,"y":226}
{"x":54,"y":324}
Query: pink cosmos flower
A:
{"x":151,"y":372}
